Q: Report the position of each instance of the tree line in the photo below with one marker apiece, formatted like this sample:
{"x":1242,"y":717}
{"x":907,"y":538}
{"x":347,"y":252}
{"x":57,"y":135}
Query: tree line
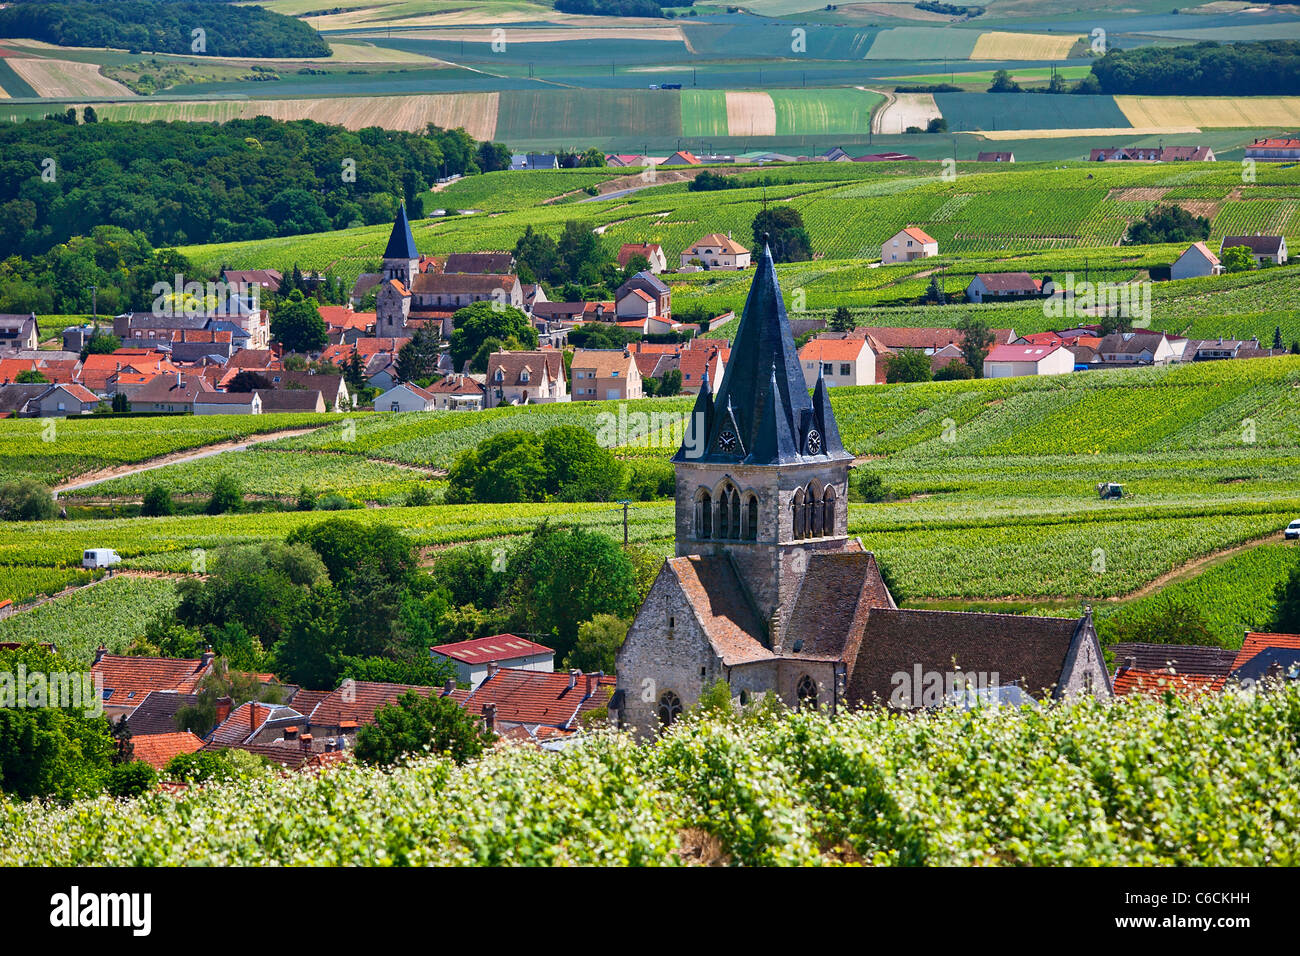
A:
{"x":182,"y":182}
{"x":1264,"y":68}
{"x":163,"y":26}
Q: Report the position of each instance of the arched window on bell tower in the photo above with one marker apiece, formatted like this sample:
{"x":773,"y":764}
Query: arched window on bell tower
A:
{"x":828,"y":511}
{"x":798,"y":515}
{"x":735,"y":514}
{"x":751,"y":518}
{"x":703,"y":514}
{"x":813,"y":503}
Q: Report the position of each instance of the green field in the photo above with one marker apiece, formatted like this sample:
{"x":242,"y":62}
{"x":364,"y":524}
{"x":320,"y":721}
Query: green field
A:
{"x":823,"y":112}
{"x":923,"y":43}
{"x":575,"y":115}
{"x":704,"y":113}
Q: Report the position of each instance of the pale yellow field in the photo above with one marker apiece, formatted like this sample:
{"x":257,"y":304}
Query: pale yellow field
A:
{"x":476,"y":112}
{"x":750,"y":114}
{"x":907,"y":109}
{"x":1212,"y":111}
{"x":66,"y":78}
{"x":365,"y":53}
{"x":484,"y":34}
{"x":1023,"y":46}
{"x":1121,"y":132}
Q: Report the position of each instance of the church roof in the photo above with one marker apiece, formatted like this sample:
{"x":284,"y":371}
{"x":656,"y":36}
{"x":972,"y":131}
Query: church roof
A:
{"x":831,"y":610}
{"x":401,"y":244}
{"x":1031,"y":652}
{"x":718,"y":601}
{"x":763,"y":414}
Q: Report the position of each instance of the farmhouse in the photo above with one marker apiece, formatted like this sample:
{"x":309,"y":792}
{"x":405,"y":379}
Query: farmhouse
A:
{"x":19,"y":332}
{"x":1003,"y":285}
{"x":526,"y":378}
{"x":129,"y":680}
{"x":458,"y":393}
{"x":716,"y":251}
{"x":473,"y":658}
{"x":911,"y":243}
{"x":643,"y":296}
{"x":681,"y":158}
{"x":839,"y":362}
{"x":1262,"y":248}
{"x":996,"y":157}
{"x":1195,"y":262}
{"x":1274,"y":149}
{"x":605,"y":375}
{"x":1137,"y":348}
{"x":59,"y":401}
{"x":651,"y":251}
{"x":767,"y":592}
{"x":1007,"y":361}
{"x":407,"y":397}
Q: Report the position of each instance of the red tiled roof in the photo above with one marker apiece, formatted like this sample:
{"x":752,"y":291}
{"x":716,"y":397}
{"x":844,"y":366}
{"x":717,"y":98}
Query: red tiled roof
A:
{"x":342,"y":317}
{"x":1135,"y":680}
{"x":157,"y":749}
{"x":131,"y":678}
{"x":1255,"y":642}
{"x":540,"y":697}
{"x":833,"y":350}
{"x":919,"y":235}
{"x":1021,"y":353}
{"x":500,"y":647}
{"x":357,"y":701}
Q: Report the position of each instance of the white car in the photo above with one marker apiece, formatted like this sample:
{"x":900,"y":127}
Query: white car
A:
{"x":100,"y":558}
{"x":1292,"y":530}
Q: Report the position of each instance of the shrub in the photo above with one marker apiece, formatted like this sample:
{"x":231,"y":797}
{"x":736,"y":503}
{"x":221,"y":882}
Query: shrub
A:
{"x":157,"y":503}
{"x":131,"y":779}
{"x":26,"y":500}
{"x":226,"y":496}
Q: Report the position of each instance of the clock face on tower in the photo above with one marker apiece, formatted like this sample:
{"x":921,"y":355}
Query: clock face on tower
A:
{"x":727,"y":440}
{"x":814,"y":442}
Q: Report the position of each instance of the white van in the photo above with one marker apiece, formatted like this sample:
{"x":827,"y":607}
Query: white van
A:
{"x":100,"y":558}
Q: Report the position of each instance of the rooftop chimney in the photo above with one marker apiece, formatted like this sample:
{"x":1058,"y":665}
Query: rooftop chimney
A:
{"x":490,"y":716}
{"x":1130,"y":661}
{"x":593,"y":680}
{"x":223,"y":709}
{"x":100,"y":652}
{"x":493,"y":667}
{"x":291,"y":733}
{"x":573,"y":676}
{"x":206,"y":659}
{"x":449,"y":686}
{"x":304,"y":742}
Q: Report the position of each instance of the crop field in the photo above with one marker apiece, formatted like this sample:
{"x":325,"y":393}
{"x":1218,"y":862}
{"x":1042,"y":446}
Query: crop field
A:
{"x":1157,"y":111}
{"x":704,"y":113}
{"x":504,"y":191}
{"x":476,"y":112}
{"x":822,"y":112}
{"x":1030,"y":111}
{"x":1138,"y":781}
{"x":997,"y":45}
{"x":65,"y":78}
{"x":923,"y":43}
{"x":573,"y":114}
{"x":22,"y":584}
{"x":113,"y":612}
{"x":53,"y":450}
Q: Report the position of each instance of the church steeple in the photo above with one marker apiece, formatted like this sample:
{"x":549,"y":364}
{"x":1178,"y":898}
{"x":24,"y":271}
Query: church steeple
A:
{"x":763,"y":414}
{"x":401,"y":243}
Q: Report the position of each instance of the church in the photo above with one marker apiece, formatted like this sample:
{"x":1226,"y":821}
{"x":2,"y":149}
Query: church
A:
{"x":768,"y":592}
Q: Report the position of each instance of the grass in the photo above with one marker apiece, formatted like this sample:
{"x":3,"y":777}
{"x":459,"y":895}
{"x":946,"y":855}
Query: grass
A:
{"x":823,"y":112}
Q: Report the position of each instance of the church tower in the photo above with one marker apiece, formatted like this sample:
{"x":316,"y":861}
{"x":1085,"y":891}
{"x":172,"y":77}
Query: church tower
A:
{"x":762,"y":476}
{"x":400,"y":269}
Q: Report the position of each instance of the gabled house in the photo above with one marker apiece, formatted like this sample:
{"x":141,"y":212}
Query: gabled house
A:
{"x":1274,"y":149}
{"x":716,"y":251}
{"x":643,"y":296}
{"x":406,"y":397}
{"x":473,"y":658}
{"x":838,"y":361}
{"x":1262,"y":248}
{"x":681,"y":158}
{"x":652,"y":251}
{"x":1142,"y":347}
{"x":18,"y":332}
{"x":1003,"y":285}
{"x":908,"y":244}
{"x":280,"y":400}
{"x":228,"y":403}
{"x":170,"y":392}
{"x":703,"y":360}
{"x":509,"y":698}
{"x":333,"y":387}
{"x":1196,"y":261}
{"x":62,"y":400}
{"x":1007,"y":361}
{"x":526,"y":378}
{"x":605,"y":375}
{"x":127,"y":681}
{"x":458,"y":393}
{"x":996,"y":157}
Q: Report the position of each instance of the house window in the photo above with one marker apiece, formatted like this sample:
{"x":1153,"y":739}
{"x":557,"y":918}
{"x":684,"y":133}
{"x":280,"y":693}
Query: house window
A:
{"x":395,"y":407}
{"x":828,"y":368}
{"x":806,"y":693}
{"x":500,"y":376}
{"x":670,"y":708}
{"x":846,"y":368}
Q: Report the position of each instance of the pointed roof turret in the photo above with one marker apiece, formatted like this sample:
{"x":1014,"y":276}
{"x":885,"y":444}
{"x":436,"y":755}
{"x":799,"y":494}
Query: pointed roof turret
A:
{"x":700,"y":427}
{"x":401,"y":244}
{"x":824,"y":419}
{"x":763,"y":388}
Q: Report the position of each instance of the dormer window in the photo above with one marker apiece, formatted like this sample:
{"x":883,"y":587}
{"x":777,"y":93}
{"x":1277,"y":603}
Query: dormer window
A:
{"x":523,"y":376}
{"x":500,"y":376}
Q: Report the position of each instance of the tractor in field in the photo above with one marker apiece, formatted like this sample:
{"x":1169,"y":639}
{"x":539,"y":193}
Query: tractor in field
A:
{"x":1109,"y":489}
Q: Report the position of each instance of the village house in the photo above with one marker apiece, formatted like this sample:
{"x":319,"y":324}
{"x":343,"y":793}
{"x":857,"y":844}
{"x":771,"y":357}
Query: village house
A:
{"x":643,"y":296}
{"x":509,"y":698}
{"x":681,"y":158}
{"x":996,"y":157}
{"x":716,"y":251}
{"x":157,"y":750}
{"x":170,"y":392}
{"x":1195,"y":262}
{"x":839,"y":361}
{"x":526,"y":378}
{"x":1153,"y":669}
{"x":604,"y":375}
{"x":333,"y":387}
{"x":406,"y":397}
{"x":472,"y":658}
{"x":128,"y":680}
{"x":59,"y":401}
{"x":911,"y":243}
{"x":700,"y":360}
{"x":768,"y":593}
{"x":1152,"y":154}
{"x":297,"y":400}
{"x":1262,"y":248}
{"x":1003,"y":285}
{"x":1206,"y":350}
{"x":458,"y":393}
{"x":1274,"y":149}
{"x":652,"y":252}
{"x":1142,"y":347}
{"x":1007,"y":361}
{"x":228,"y":403}
{"x":19,"y":332}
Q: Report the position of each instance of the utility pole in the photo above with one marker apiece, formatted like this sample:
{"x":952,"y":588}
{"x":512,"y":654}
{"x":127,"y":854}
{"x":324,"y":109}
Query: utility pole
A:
{"x":625,"y":505}
{"x":94,"y":304}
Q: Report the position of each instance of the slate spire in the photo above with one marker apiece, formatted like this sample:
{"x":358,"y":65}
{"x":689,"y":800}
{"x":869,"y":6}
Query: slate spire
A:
{"x":700,"y":426}
{"x":401,"y":244}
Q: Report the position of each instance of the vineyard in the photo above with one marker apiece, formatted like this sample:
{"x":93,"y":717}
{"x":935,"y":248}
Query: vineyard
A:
{"x":1077,"y":210}
{"x":1138,"y":781}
